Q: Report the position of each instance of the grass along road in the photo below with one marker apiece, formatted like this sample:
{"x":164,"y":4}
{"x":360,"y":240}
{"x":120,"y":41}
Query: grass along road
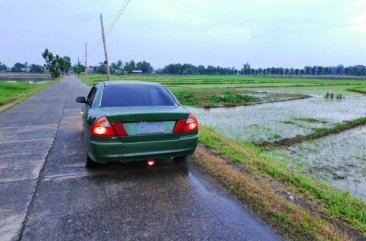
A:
{"x":335,"y":208}
{"x":13,"y":93}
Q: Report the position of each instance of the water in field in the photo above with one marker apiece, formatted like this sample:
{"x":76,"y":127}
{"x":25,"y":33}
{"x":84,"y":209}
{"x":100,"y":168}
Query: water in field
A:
{"x":275,"y":121}
{"x":339,"y":159}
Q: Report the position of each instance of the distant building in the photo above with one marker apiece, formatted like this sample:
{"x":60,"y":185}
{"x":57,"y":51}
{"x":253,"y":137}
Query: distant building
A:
{"x":92,"y":69}
{"x":137,"y":71}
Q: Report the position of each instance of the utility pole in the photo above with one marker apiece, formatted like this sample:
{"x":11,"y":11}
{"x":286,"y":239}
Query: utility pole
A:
{"x":86,"y":59}
{"x":105,"y":49}
{"x":78,"y":68}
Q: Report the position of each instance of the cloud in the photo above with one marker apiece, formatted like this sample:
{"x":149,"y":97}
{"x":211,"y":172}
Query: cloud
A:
{"x":358,"y":25}
{"x":205,"y":31}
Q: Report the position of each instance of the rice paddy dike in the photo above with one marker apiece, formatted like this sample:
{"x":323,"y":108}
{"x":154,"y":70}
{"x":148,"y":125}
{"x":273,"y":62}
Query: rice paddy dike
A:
{"x":326,"y":166}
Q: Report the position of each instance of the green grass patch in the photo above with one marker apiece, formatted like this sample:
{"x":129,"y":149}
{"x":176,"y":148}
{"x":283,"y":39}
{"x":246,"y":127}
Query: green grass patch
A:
{"x":9,"y":91}
{"x":212,"y":97}
{"x":358,"y":90}
{"x":339,"y":205}
{"x":220,"y":79}
{"x":15,"y":92}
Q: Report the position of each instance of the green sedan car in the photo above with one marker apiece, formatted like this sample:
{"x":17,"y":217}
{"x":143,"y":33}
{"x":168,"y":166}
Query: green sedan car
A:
{"x":129,"y":121}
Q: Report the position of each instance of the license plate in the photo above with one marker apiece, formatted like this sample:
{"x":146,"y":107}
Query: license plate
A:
{"x":149,"y":127}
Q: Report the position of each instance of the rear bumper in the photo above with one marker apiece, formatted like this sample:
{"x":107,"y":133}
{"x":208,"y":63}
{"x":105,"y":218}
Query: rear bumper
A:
{"x":118,"y":150}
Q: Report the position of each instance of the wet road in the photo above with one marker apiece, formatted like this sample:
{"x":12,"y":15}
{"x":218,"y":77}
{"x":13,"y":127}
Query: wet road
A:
{"x":46,"y":193}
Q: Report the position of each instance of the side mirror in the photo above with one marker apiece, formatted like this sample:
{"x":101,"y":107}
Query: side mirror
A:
{"x":80,"y":99}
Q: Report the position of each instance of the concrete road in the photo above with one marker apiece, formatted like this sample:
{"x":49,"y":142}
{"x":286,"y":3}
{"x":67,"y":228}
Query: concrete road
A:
{"x":46,"y":193}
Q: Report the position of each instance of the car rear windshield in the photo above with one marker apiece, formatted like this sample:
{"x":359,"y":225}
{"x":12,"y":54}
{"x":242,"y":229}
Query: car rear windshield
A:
{"x":136,"y":95}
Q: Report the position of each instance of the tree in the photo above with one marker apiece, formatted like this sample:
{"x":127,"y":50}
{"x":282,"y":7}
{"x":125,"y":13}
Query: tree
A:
{"x":78,"y":68}
{"x":19,"y":67}
{"x":56,"y":65}
{"x":101,"y":68}
{"x":145,"y":67}
{"x":35,"y":68}
{"x":66,"y":64}
{"x":61,"y":64}
{"x":117,"y":68}
{"x":246,"y":69}
{"x":3,"y":67}
{"x":340,"y":69}
{"x":130,"y":66}
{"x":52,"y":63}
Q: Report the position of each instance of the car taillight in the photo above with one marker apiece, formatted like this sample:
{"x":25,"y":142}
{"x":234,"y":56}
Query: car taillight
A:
{"x":119,"y":129}
{"x":102,"y":127}
{"x":191,"y":124}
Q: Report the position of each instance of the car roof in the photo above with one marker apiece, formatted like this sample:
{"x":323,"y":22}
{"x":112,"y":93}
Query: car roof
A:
{"x":129,"y":82}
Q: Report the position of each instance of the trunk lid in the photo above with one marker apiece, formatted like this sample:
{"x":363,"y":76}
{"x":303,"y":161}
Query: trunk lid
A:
{"x":146,"y":120}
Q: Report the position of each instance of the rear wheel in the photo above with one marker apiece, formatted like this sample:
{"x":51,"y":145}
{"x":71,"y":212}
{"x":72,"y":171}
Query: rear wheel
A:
{"x":180,"y":158}
{"x":89,"y":163}
{"x":181,"y":163}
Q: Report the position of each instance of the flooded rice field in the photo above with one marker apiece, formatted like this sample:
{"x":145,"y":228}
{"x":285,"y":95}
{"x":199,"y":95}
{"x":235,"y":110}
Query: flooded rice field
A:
{"x":275,"y":121}
{"x":339,"y":159}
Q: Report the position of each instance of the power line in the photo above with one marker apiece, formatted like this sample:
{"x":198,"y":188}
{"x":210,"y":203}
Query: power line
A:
{"x":95,"y":48}
{"x":118,"y":15}
{"x":94,"y":28}
{"x":113,"y":23}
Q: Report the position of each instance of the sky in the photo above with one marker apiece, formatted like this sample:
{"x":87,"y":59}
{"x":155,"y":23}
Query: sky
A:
{"x":265,"y":33}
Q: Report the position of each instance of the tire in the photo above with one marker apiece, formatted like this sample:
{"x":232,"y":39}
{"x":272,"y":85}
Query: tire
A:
{"x":180,"y":158}
{"x":89,"y":163}
{"x":181,"y":163}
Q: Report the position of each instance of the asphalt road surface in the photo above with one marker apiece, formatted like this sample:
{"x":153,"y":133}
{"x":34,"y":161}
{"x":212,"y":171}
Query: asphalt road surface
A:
{"x":47,"y":194}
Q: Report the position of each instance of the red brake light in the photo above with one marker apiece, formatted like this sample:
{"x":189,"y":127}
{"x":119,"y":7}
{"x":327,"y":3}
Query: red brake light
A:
{"x":102,"y":127}
{"x":179,"y":126}
{"x":119,"y":129}
{"x":191,"y":124}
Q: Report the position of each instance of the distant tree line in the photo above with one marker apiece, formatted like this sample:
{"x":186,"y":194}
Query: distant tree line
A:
{"x":22,"y":67}
{"x":124,"y":68}
{"x":57,"y":66}
{"x":181,"y":69}
{"x":192,"y":69}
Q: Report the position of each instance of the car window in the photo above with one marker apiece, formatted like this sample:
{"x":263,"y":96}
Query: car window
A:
{"x":136,"y":95}
{"x":91,"y":96}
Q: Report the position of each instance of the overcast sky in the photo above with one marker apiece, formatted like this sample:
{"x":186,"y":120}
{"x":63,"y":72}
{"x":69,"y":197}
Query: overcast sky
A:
{"x":288,"y":33}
